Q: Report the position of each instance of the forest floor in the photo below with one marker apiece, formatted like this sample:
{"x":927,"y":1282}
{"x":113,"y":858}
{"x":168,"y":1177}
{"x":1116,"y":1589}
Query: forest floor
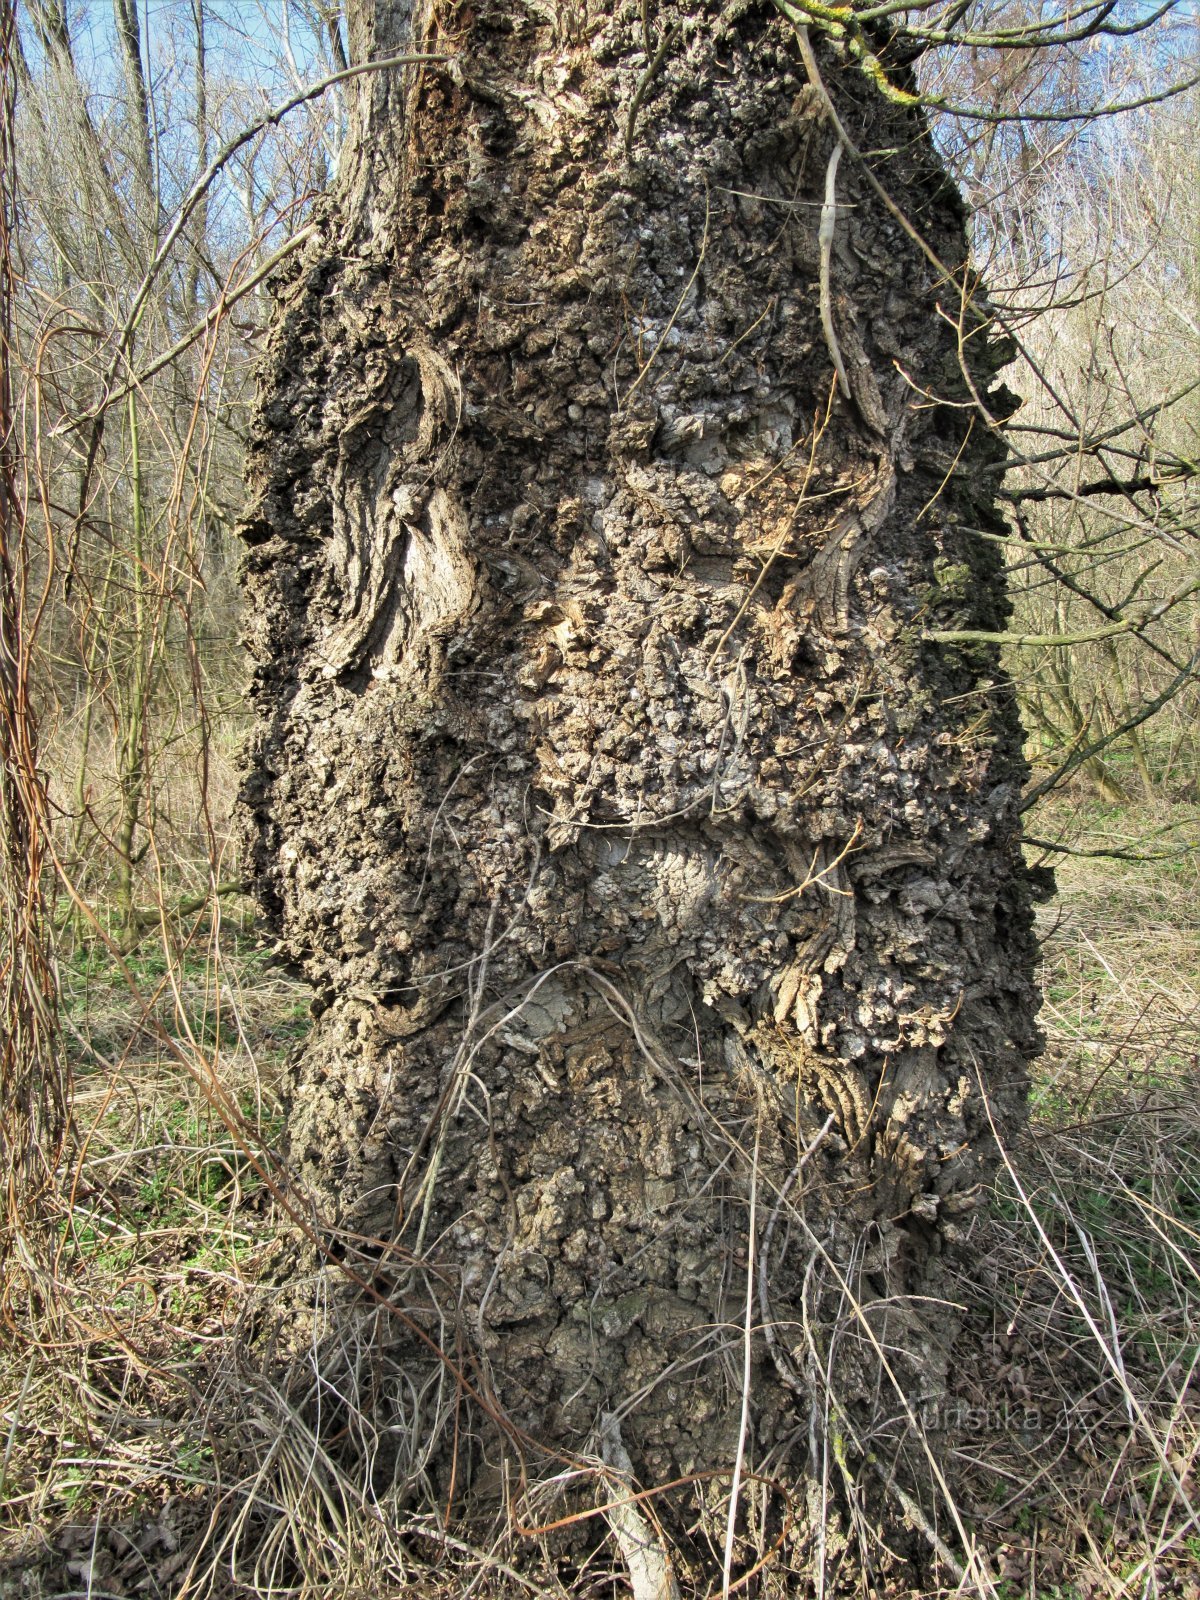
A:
{"x":143,"y":1454}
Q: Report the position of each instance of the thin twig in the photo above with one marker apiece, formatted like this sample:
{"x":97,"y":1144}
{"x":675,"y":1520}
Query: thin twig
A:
{"x":747,"y":1370}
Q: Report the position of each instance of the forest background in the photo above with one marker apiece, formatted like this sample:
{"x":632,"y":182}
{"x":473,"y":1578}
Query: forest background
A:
{"x":161,"y":161}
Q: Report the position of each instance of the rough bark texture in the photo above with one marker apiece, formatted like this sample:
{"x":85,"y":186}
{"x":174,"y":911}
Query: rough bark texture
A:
{"x":604,"y":786}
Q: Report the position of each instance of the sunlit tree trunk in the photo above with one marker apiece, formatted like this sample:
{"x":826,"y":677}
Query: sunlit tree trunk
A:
{"x":129,"y":33}
{"x":652,"y":870}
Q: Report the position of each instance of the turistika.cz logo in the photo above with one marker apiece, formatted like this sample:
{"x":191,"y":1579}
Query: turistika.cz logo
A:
{"x":955,"y":1416}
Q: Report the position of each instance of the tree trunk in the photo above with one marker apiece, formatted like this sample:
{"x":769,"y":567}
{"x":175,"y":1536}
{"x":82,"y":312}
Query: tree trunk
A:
{"x":653,"y":873}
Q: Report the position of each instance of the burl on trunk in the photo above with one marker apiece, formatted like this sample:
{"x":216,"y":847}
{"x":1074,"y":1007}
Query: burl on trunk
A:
{"x":658,"y":880}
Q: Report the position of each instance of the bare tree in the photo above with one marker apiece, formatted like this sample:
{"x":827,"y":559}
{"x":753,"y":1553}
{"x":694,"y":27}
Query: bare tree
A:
{"x":144,"y":226}
{"x":34,"y":1090}
{"x":636,"y":777}
{"x":625,"y":435}
{"x":1081,"y":226}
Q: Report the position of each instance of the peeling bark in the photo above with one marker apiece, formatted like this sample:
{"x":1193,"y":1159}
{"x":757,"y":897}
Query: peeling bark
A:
{"x":604,"y":787}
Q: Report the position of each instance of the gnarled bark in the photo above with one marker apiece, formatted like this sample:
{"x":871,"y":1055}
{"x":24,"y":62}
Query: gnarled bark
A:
{"x":640,"y":851}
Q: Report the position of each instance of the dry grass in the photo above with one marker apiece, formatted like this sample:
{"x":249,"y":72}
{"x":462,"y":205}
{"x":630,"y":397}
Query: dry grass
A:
{"x":1074,"y":1441}
{"x":144,"y":1452}
{"x":164,"y":1226}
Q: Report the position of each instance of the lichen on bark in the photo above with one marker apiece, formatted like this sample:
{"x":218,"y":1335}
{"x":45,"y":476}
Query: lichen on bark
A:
{"x":640,"y":850}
